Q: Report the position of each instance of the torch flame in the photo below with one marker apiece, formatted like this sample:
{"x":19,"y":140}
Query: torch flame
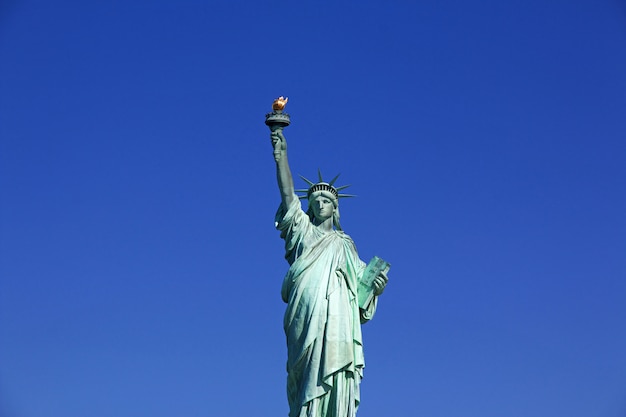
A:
{"x":279,"y":103}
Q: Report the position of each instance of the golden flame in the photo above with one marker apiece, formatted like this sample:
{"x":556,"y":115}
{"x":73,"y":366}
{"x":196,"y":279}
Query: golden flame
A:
{"x":279,"y":103}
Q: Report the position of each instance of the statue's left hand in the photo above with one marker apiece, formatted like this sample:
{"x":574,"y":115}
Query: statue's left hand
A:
{"x":380,"y":283}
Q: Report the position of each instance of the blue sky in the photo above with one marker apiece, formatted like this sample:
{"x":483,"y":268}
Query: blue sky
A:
{"x":140,"y":271}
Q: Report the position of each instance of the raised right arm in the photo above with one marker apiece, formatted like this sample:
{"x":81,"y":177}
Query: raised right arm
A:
{"x":283,"y":172}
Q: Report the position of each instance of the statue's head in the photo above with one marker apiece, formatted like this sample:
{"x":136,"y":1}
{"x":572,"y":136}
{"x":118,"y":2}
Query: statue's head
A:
{"x":323,"y":200}
{"x":323,"y":205}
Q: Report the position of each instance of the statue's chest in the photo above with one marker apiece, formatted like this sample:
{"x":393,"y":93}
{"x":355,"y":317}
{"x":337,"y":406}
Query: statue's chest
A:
{"x":328,"y":245}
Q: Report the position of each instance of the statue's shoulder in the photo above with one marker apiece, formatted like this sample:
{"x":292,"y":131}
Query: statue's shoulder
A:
{"x":290,"y":214}
{"x":344,"y":235}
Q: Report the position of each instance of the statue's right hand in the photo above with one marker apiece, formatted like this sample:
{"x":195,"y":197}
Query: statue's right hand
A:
{"x":278,"y":137}
{"x":278,"y":143}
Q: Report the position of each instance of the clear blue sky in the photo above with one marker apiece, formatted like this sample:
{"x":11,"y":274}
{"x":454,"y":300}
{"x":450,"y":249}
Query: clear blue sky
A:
{"x":140,"y":271}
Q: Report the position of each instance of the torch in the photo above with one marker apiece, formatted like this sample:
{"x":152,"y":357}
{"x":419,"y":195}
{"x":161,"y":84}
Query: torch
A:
{"x":277,"y":120}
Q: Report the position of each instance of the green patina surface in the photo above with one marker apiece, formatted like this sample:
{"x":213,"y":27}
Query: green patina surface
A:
{"x":324,"y":311}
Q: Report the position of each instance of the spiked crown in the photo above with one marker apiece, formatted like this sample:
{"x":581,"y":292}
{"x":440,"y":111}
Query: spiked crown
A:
{"x":323,"y":186}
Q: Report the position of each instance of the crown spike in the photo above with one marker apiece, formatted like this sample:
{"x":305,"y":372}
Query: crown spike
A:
{"x":319,"y":175}
{"x":331,"y":182}
{"x":311,"y":183}
{"x":343,"y":187}
{"x":346,"y":195}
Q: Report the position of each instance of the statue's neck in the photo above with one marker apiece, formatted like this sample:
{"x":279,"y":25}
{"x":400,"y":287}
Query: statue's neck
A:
{"x":325,"y":225}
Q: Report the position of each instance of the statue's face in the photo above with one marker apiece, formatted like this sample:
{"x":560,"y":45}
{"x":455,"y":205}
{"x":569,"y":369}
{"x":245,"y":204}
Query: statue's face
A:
{"x":322,"y":206}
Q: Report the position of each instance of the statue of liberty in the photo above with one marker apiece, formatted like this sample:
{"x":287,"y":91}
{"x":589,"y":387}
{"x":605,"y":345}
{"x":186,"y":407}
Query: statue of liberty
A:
{"x":323,"y":290}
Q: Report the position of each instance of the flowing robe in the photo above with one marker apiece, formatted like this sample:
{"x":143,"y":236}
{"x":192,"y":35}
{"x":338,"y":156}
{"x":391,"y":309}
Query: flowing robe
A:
{"x":322,"y":320}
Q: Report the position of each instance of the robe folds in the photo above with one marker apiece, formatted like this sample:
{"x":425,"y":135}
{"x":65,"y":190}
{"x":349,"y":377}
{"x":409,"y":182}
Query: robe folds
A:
{"x":322,"y":321}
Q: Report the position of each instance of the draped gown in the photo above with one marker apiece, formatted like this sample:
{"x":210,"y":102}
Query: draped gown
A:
{"x":322,"y":321}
